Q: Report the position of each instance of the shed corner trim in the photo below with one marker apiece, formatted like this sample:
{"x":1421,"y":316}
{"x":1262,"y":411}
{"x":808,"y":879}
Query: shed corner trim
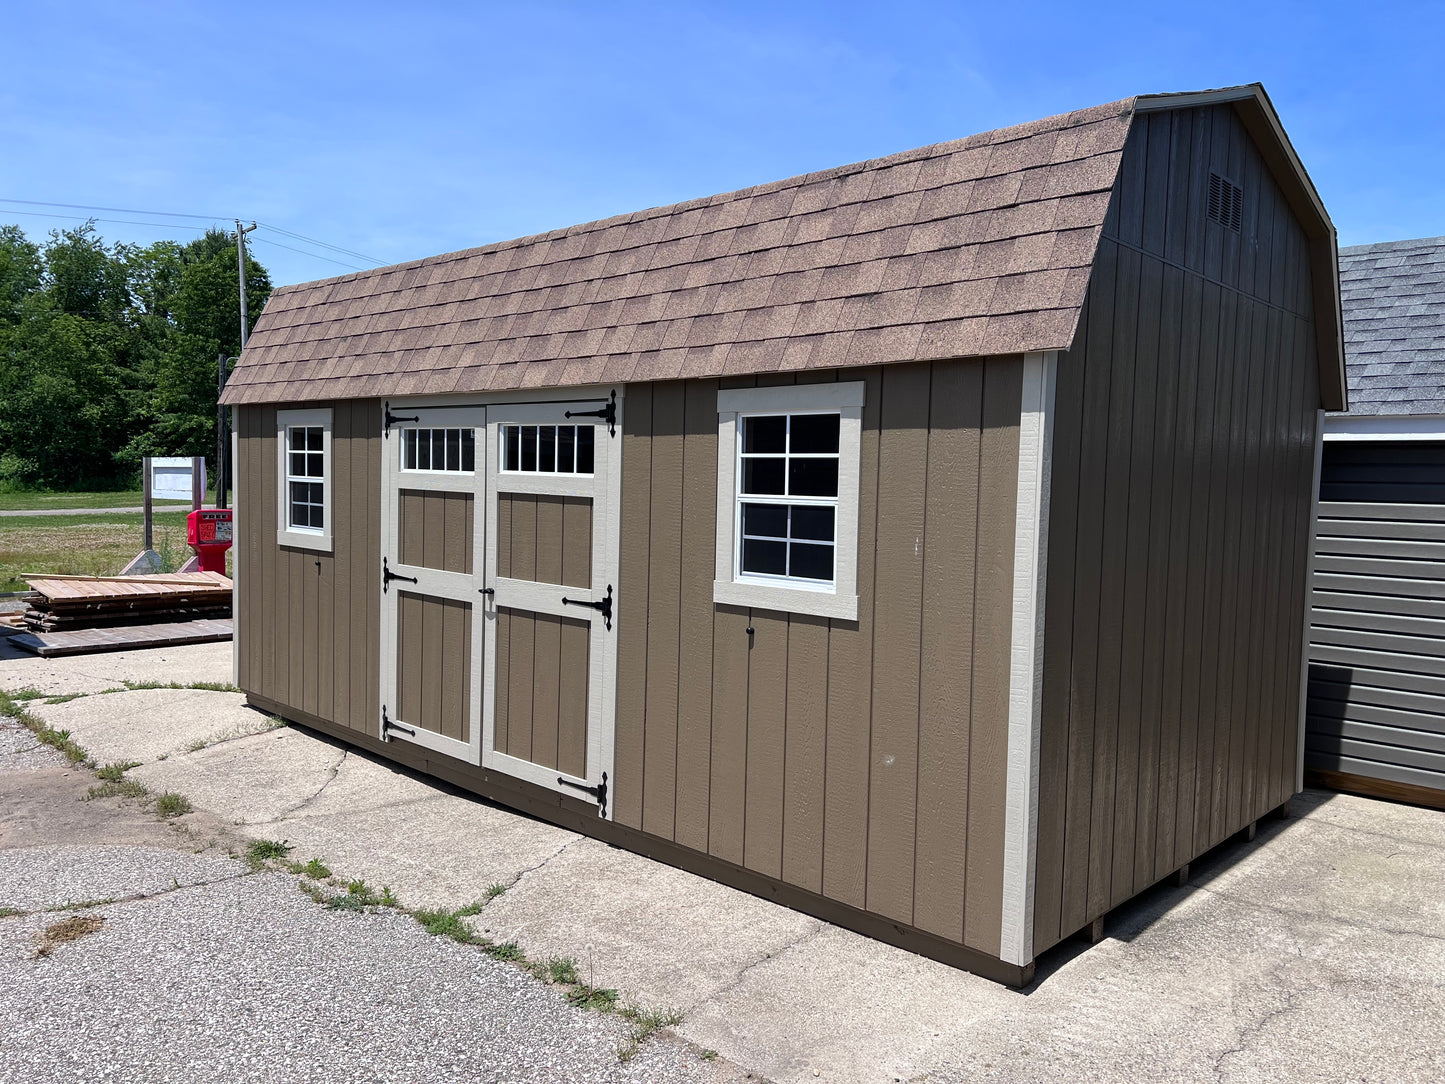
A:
{"x":1026,"y":657}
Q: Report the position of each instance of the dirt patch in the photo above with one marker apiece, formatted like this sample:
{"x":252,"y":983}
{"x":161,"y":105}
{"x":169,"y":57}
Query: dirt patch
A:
{"x":72,"y":928}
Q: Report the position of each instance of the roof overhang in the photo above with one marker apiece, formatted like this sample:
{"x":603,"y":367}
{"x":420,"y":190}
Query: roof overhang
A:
{"x":1257,"y":113}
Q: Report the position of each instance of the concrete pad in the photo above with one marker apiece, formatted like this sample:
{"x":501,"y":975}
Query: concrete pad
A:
{"x":109,"y":669}
{"x":150,"y":723}
{"x":364,"y":784}
{"x":254,"y":780}
{"x":666,"y":937}
{"x":440,"y":852}
{"x":33,"y":878}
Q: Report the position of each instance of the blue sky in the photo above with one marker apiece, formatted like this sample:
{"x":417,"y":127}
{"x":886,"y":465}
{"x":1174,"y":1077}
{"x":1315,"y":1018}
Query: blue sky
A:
{"x":403,"y":130}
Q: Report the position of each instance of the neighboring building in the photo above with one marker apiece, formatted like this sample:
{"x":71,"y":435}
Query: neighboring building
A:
{"x":920,"y":543}
{"x":1377,"y":656}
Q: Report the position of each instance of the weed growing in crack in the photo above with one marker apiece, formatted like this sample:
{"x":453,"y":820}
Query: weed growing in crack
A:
{"x":388,"y":899}
{"x":315,"y":869}
{"x":12,"y":705}
{"x":264,"y":850}
{"x":171,"y":804}
{"x":117,"y":788}
{"x":493,"y":891}
{"x":707,"y":1055}
{"x":63,"y":698}
{"x":562,"y":971}
{"x":508,"y":951}
{"x":115,"y":771}
{"x":10,"y":912}
{"x":205,"y":686}
{"x":596,"y":998}
{"x":442,"y":923}
{"x":642,"y":1025}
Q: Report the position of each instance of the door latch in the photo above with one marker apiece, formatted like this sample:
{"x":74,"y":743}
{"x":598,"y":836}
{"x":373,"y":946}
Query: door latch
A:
{"x":387,"y":575}
{"x":608,"y":414}
{"x":604,"y":607}
{"x":387,"y":725}
{"x":599,"y":792}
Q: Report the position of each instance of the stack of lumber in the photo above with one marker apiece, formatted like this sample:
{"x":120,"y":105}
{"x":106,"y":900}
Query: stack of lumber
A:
{"x":62,"y":603}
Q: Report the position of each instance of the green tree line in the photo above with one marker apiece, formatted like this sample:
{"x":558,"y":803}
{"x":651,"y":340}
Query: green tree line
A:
{"x":108,"y":352}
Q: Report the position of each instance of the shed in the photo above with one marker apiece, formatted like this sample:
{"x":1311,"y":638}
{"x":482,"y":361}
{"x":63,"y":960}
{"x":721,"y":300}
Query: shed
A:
{"x":920,"y":543}
{"x":1377,"y":655}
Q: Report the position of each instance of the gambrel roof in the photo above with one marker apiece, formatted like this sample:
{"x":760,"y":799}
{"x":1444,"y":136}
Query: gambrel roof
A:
{"x":981,"y":246}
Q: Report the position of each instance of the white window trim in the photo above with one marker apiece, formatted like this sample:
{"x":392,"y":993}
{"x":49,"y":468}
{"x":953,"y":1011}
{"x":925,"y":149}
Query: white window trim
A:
{"x":1372,"y":427}
{"x":297,"y":537}
{"x":841,"y":599}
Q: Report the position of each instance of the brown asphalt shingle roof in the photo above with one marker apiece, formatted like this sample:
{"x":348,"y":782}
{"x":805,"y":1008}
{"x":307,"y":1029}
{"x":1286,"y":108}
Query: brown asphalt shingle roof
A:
{"x":979,"y":246}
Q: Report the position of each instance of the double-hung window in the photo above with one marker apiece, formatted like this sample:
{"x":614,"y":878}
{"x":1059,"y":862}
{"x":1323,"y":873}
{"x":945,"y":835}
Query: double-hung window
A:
{"x":303,"y":439}
{"x":788,"y":498}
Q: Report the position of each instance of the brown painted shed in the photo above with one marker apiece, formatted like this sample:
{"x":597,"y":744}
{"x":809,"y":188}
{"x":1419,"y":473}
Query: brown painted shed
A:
{"x":920,"y":543}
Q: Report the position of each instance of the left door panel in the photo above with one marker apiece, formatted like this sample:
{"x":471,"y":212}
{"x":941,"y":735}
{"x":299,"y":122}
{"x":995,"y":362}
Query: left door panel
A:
{"x":433,"y":549}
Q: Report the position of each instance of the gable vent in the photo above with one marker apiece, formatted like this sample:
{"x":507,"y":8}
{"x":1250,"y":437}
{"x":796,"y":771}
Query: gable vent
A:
{"x":1226,"y":202}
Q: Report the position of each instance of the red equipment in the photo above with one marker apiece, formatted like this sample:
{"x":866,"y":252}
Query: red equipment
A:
{"x":208,"y":533}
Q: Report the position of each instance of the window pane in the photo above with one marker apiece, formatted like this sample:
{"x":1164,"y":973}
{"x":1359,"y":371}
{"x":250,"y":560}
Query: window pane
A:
{"x":315,"y":465}
{"x":567,"y":449}
{"x":313,"y":438}
{"x":408,"y":449}
{"x":438,"y":449}
{"x":766,"y":519}
{"x":764,"y":476}
{"x":529,"y":447}
{"x":423,"y":449}
{"x":296,"y":435}
{"x":547,"y":448}
{"x":765,"y":434}
{"x":585,"y":437}
{"x":811,"y":522}
{"x":454,"y":449}
{"x":768,"y":558}
{"x":298,"y":463}
{"x":810,"y":562}
{"x":512,"y":457}
{"x":814,"y":433}
{"x":813,"y":477}
{"x":469,"y":450}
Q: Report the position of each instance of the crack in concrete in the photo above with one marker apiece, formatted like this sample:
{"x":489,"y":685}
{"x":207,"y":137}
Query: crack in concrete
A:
{"x":533,"y":869}
{"x":738,"y":979}
{"x":1253,"y":1031}
{"x":334,"y":771}
{"x":1319,"y":822}
{"x":1393,"y":931}
{"x":134,"y":897}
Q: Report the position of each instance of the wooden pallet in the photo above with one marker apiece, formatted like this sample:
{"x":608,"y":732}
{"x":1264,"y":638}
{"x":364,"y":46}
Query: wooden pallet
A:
{"x":125,"y":638}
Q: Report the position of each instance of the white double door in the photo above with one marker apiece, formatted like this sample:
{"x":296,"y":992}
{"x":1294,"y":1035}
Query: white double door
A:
{"x":499,"y":577}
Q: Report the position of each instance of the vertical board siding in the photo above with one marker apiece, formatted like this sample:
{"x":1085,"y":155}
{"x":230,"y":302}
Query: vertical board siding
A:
{"x":861,"y":760}
{"x":436,"y":529}
{"x":434,"y":671}
{"x":543,"y":537}
{"x":542,"y":664}
{"x":309,"y":631}
{"x":1186,"y":415}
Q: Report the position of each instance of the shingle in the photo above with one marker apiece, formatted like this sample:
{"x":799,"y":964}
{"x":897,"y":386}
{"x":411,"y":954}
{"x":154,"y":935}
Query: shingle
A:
{"x":897,"y":257}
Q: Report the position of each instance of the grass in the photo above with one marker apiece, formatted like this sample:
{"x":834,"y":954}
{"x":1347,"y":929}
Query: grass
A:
{"x":708,"y":1055}
{"x":40,"y":499}
{"x":206,"y":686}
{"x":171,"y":804}
{"x":315,"y":869}
{"x":10,"y":912}
{"x":115,"y":771}
{"x":493,"y":891}
{"x":13,"y":706}
{"x":117,"y":788}
{"x":92,"y":545}
{"x":264,"y":850}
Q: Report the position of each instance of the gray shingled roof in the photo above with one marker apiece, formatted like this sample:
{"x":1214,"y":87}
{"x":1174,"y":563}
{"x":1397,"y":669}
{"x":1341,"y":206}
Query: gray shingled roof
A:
{"x":1394,"y":306}
{"x":975,"y":247}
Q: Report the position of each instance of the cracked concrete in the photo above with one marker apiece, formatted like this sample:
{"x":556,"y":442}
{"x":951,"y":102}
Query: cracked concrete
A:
{"x":1313,"y":953}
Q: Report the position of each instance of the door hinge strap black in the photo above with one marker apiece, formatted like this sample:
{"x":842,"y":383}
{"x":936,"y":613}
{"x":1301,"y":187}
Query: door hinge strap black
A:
{"x":388,"y":725}
{"x":604,"y":607}
{"x":392,"y":419}
{"x":387,"y":575}
{"x":599,"y":792}
{"x":608,"y":413}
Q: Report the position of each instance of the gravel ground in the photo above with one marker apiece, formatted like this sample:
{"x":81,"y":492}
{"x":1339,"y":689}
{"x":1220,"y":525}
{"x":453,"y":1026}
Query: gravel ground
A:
{"x":20,"y":752}
{"x":48,"y":877}
{"x":248,"y":979}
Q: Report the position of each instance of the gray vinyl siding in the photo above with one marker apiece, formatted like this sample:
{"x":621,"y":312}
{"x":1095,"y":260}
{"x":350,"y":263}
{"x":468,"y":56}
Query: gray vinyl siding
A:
{"x":1377,"y":626}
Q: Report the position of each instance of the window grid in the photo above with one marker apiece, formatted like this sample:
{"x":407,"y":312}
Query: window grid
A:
{"x":448,"y":451}
{"x":548,"y":449}
{"x":786,"y":515}
{"x":305,"y":474}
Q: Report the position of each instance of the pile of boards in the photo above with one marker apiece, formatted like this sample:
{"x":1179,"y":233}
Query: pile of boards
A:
{"x":63,"y":603}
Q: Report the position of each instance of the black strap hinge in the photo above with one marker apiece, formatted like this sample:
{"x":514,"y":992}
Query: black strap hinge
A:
{"x":607,"y":413}
{"x":599,"y":792}
{"x":387,"y":725}
{"x":387,"y":575}
{"x":392,"y":419}
{"x":604,"y":607}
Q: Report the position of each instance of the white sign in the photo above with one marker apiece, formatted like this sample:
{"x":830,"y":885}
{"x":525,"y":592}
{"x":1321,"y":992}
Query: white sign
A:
{"x":171,"y":478}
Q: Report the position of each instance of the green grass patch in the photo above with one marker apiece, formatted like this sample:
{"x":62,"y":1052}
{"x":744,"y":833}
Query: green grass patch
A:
{"x":24,"y":695}
{"x":86,"y":545}
{"x":314,"y":869}
{"x":13,"y":707}
{"x":493,"y":891}
{"x":264,"y":850}
{"x":41,"y":499}
{"x":207,"y":686}
{"x":115,"y":771}
{"x":171,"y":804}
{"x":443,"y":923}
{"x":117,"y":788}
{"x":63,"y":698}
{"x":707,"y":1055}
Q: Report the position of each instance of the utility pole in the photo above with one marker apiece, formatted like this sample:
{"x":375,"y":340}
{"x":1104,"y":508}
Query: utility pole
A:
{"x":222,"y":474}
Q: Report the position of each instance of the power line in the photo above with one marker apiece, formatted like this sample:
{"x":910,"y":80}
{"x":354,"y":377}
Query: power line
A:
{"x":313,"y":255}
{"x":112,"y":210}
{"x":108,"y":221}
{"x":323,"y":244}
